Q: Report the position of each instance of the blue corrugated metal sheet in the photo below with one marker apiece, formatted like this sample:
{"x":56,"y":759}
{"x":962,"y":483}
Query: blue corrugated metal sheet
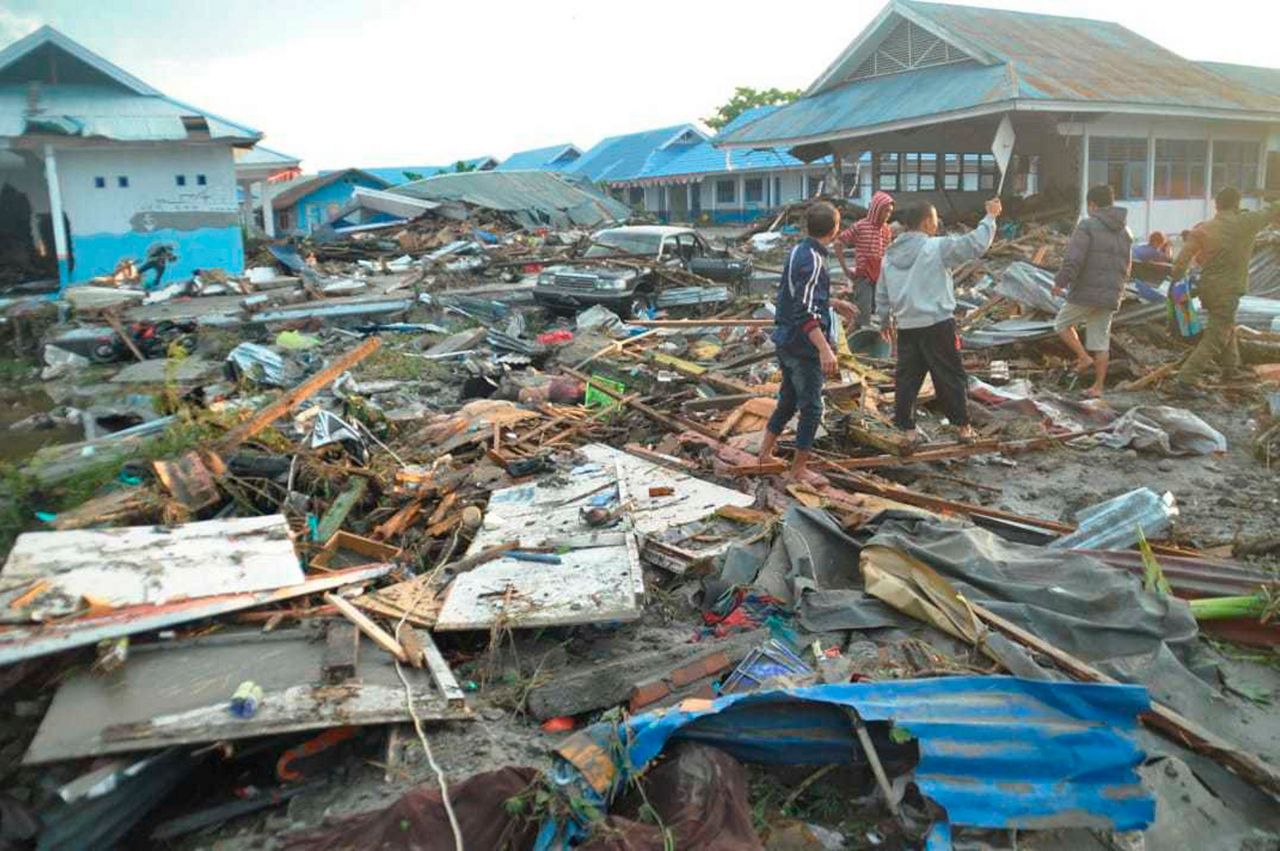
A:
{"x":551,"y":158}
{"x":994,"y":752}
{"x":397,"y":175}
{"x":627,"y":157}
{"x":94,"y":98}
{"x":88,"y":110}
{"x":1017,"y":57}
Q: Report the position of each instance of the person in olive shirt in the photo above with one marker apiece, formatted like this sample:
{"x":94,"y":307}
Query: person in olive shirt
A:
{"x":1222,"y":248}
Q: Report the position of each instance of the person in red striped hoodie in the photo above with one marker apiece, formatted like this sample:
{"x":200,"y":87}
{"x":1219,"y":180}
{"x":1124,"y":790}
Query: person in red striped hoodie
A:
{"x":869,"y":237}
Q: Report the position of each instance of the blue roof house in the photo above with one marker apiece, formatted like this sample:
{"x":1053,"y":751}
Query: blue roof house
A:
{"x":107,"y":168}
{"x":299,"y":207}
{"x":550,"y":158}
{"x":924,"y":88}
{"x":677,"y":174}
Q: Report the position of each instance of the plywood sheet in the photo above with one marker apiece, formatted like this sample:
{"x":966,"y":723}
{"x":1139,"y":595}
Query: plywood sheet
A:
{"x":134,"y":565}
{"x":168,"y":694}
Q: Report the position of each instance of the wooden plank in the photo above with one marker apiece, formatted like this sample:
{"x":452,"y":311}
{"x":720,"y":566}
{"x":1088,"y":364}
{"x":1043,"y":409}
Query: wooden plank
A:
{"x":441,"y":673}
{"x":398,"y":522}
{"x":298,"y":395}
{"x":1177,"y":727}
{"x":366,"y":625}
{"x":703,"y":323}
{"x":188,"y":480}
{"x":771,"y":469}
{"x":616,"y":347}
{"x":674,"y":423}
{"x":341,"y":653}
{"x":412,"y":645}
{"x":333,"y":519}
{"x":110,"y":317}
{"x":741,"y":514}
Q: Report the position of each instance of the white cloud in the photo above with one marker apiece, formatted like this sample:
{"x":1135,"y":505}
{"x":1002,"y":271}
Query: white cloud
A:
{"x":14,"y":26}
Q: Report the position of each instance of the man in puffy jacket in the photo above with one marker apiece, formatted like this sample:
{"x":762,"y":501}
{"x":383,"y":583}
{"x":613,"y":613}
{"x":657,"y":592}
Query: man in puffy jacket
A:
{"x":1222,"y":247}
{"x":870,"y":237}
{"x":916,"y":290}
{"x":1097,"y":263}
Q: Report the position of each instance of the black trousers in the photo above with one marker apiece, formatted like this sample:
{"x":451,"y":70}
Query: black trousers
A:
{"x":933,"y":351}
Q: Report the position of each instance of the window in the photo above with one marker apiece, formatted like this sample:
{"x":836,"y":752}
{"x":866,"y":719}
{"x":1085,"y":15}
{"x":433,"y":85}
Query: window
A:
{"x":950,"y":171}
{"x":99,"y":183}
{"x":887,"y":172}
{"x":122,"y":182}
{"x":978,"y":173}
{"x":1180,"y":168}
{"x":1121,"y":164}
{"x":1235,"y":164}
{"x":635,"y":197}
{"x":753,"y":190}
{"x":201,"y":180}
{"x":726,"y":191}
{"x":180,"y":179}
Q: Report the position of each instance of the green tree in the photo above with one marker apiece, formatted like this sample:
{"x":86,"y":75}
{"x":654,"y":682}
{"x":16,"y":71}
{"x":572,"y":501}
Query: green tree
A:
{"x":744,"y":98}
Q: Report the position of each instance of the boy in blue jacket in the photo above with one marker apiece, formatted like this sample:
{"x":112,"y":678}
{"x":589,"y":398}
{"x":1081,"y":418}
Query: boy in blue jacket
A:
{"x":802,"y":335}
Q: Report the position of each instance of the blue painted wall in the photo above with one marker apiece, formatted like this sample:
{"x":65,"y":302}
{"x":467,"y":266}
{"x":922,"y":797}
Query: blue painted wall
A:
{"x":203,"y":248}
{"x":313,"y":209}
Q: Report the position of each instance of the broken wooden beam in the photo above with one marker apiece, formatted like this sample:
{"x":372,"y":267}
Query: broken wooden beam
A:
{"x":298,"y":395}
{"x":341,"y":653}
{"x":333,"y":519}
{"x":674,"y":423}
{"x":441,"y":673}
{"x":773,"y":468}
{"x":703,"y":323}
{"x":366,"y":625}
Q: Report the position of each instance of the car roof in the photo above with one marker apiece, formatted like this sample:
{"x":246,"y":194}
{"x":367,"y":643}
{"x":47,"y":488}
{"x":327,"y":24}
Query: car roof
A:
{"x":647,"y":230}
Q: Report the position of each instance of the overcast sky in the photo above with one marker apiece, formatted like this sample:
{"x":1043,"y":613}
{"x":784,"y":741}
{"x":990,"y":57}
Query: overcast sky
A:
{"x":381,"y":82}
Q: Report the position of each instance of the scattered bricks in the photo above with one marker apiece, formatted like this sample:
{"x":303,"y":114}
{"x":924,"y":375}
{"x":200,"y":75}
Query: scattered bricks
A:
{"x":648,"y":692}
{"x":700,"y":668}
{"x":704,"y":692}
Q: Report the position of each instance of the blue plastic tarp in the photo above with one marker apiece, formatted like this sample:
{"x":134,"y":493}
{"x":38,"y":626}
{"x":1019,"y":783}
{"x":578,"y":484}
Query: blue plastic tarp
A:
{"x":994,"y":752}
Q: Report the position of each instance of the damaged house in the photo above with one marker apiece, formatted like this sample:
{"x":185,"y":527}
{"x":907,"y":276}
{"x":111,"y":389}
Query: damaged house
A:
{"x":676,"y":174}
{"x":924,"y":87}
{"x":301,"y":206}
{"x":256,"y":169}
{"x":97,"y":167}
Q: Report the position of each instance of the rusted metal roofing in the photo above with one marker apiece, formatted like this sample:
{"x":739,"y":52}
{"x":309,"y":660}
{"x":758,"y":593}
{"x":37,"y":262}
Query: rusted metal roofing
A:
{"x":1262,"y":79}
{"x":1016,"y":60}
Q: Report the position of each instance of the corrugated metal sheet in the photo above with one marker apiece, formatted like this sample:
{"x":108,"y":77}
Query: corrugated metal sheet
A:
{"x":1263,"y":79}
{"x":994,"y":752}
{"x":1017,"y":57}
{"x":1061,"y":58}
{"x":108,"y":113}
{"x":397,"y":175}
{"x":627,"y":156}
{"x":550,"y":158}
{"x":881,"y":100}
{"x":533,"y":197}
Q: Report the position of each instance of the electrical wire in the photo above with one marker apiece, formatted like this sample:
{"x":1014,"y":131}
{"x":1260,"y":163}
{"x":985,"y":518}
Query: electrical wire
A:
{"x":422,"y":736}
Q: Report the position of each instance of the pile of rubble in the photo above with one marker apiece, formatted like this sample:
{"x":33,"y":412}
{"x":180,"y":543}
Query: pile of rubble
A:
{"x":388,"y":529}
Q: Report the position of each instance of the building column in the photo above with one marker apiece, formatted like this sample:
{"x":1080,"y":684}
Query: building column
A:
{"x":1208,"y":178}
{"x":55,"y":215}
{"x":1151,"y":177}
{"x":1262,"y":164}
{"x":268,"y":214}
{"x":742,"y":196}
{"x":1084,"y":172}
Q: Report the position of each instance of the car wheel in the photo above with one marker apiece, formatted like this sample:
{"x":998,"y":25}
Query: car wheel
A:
{"x":103,"y":353}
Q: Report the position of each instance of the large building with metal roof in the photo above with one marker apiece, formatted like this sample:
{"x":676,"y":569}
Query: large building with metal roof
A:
{"x":924,"y":87}
{"x":108,"y":168}
{"x":550,"y":158}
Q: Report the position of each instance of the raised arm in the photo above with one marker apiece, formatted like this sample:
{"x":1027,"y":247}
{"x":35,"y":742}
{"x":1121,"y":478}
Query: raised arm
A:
{"x":961,"y":248}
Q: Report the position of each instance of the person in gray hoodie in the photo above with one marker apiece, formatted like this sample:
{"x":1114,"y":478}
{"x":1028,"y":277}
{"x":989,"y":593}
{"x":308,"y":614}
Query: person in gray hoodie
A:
{"x":917,"y":293}
{"x":1097,"y":263}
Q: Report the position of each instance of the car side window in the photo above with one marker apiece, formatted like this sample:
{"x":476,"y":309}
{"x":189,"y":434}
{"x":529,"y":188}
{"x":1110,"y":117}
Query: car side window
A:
{"x":668,"y":249}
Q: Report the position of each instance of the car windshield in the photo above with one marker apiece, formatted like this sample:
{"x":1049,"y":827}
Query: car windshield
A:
{"x":624,"y":242}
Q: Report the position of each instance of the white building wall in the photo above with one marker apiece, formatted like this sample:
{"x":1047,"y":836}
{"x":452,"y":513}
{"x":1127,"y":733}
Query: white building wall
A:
{"x":1172,"y":215}
{"x":151,"y":173}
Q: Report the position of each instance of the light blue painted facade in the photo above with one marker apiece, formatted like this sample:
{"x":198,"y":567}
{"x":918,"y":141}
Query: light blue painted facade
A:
{"x":202,"y":248}
{"x":315,"y":208}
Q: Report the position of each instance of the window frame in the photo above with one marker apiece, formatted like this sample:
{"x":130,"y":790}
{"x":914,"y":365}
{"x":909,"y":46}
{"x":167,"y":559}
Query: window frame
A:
{"x":746,"y":190}
{"x":732,"y":185}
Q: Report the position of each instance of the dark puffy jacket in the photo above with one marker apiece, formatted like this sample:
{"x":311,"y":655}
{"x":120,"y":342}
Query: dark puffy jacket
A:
{"x":1098,"y":260}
